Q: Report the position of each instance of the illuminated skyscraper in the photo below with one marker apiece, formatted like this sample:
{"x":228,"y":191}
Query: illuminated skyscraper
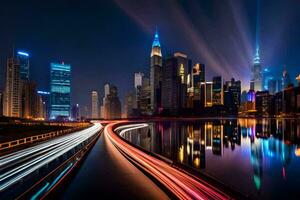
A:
{"x":95,"y":105}
{"x":218,"y":94}
{"x":174,"y":84}
{"x":155,"y":74}
{"x":23,"y":58}
{"x":198,"y":77}
{"x":13,"y":89}
{"x":208,"y":91}
{"x":60,"y":89}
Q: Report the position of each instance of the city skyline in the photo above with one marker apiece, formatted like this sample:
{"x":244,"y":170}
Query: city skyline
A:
{"x":151,"y":99}
{"x":142,"y":44}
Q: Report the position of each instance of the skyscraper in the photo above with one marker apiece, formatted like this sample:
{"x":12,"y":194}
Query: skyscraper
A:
{"x":174,"y":84}
{"x":13,"y":93}
{"x":198,"y":77}
{"x":60,"y":89}
{"x":45,"y":95}
{"x":95,"y":105}
{"x":106,"y":93}
{"x":155,"y":74}
{"x":143,"y":97}
{"x":138,"y":79}
{"x":23,"y":58}
{"x":208,"y":90}
{"x":29,"y":99}
{"x":112,"y":104}
{"x":217,"y":90}
{"x":232,"y":95}
{"x":285,"y":80}
{"x":75,"y":112}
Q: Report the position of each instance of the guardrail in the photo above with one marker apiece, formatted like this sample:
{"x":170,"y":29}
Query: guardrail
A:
{"x":36,"y":138}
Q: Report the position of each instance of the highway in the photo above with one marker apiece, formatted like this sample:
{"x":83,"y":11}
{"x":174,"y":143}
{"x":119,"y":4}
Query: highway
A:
{"x":182,"y":184}
{"x":16,"y":166}
{"x":107,"y":174}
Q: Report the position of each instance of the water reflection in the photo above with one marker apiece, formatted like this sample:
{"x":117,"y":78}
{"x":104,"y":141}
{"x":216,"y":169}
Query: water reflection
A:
{"x":253,"y":155}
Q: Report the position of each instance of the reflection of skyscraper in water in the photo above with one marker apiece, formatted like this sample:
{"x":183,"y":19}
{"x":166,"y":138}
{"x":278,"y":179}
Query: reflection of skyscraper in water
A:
{"x":195,"y":151}
{"x":214,"y":137}
{"x":208,"y":135}
{"x":257,"y":163}
{"x":217,"y":139}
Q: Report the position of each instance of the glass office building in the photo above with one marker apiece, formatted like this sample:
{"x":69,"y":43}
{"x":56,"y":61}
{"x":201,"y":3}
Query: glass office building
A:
{"x":60,"y":91}
{"x":23,"y":58}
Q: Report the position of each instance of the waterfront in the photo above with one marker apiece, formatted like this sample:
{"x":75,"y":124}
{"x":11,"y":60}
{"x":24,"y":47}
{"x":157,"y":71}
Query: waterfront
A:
{"x":257,"y":157}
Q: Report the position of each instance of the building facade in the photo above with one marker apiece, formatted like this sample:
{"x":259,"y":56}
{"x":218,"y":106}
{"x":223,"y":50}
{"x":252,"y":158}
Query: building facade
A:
{"x":60,"y":90}
{"x":217,"y":90}
{"x":13,"y":89}
{"x":23,"y":58}
{"x":112,"y":104}
{"x":174,"y":84}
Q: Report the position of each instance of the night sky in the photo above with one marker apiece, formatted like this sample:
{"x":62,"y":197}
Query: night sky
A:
{"x":107,"y":41}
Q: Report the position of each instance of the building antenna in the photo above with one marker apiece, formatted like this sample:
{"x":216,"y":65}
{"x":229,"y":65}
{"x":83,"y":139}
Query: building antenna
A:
{"x":257,"y":23}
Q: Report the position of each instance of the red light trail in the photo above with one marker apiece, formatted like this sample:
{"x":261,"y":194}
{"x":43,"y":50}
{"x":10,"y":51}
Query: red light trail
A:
{"x":181,"y":184}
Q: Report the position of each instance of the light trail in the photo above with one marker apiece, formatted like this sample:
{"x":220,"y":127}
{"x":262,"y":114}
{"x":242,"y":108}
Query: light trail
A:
{"x":17,"y":165}
{"x":181,"y":184}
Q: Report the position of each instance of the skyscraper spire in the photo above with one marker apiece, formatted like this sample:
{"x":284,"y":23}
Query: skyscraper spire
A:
{"x":257,"y":57}
{"x":155,"y":74}
{"x":156,"y":39}
{"x":156,"y":50}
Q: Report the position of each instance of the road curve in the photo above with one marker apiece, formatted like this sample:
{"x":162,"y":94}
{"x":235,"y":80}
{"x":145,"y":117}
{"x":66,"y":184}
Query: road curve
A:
{"x":15,"y":166}
{"x":181,"y":184}
{"x":106,"y":173}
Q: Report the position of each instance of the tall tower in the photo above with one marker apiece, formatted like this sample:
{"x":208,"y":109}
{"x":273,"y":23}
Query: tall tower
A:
{"x":23,"y":58}
{"x":60,"y":87}
{"x":256,"y":70}
{"x":155,"y":74}
{"x":95,"y":104}
{"x":12,"y":97}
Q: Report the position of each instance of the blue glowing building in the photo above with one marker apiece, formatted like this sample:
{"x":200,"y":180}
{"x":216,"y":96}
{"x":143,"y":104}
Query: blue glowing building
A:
{"x":60,"y":91}
{"x":23,"y":58}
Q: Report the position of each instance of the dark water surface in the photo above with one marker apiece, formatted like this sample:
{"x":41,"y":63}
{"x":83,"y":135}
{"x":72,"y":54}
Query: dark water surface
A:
{"x":259,"y":157}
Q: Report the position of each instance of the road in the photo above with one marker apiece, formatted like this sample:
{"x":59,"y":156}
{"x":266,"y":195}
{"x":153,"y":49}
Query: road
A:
{"x":180,"y":183}
{"x":107,"y":173}
{"x":21,"y":164}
